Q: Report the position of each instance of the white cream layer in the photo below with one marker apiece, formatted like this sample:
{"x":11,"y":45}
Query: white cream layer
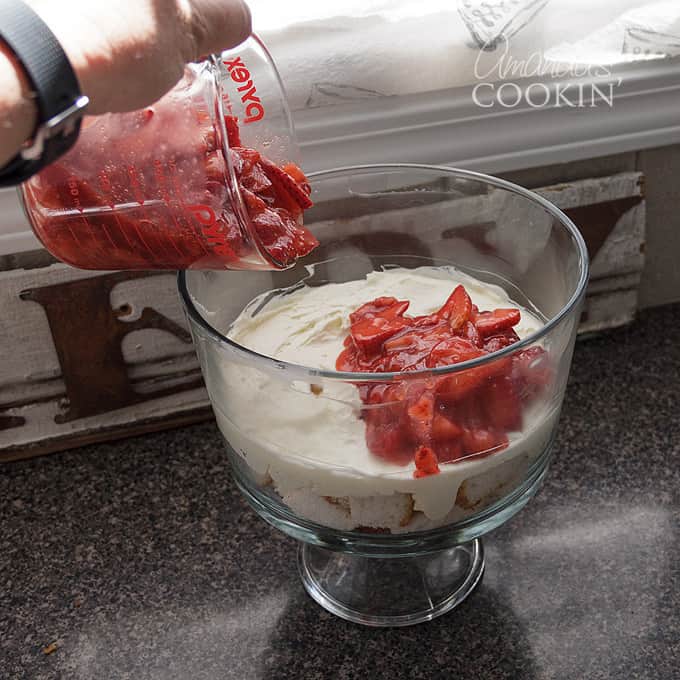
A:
{"x":305,"y":441}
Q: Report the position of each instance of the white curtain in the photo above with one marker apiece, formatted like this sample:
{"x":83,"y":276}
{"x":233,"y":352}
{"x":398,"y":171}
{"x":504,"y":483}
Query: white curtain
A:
{"x":331,"y":51}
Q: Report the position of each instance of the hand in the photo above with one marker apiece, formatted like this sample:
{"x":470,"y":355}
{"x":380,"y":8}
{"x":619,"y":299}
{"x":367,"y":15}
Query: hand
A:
{"x":129,"y":54}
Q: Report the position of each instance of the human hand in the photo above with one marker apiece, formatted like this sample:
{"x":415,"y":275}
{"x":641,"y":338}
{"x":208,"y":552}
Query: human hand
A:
{"x":129,"y":54}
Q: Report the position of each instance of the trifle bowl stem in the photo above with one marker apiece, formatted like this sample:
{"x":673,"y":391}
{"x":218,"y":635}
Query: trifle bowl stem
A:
{"x":390,"y":591}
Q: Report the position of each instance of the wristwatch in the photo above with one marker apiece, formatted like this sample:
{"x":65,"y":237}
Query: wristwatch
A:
{"x":59,"y":102}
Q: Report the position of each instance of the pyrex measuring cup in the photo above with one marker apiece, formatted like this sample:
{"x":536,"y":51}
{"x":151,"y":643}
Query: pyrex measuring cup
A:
{"x":160,"y":188}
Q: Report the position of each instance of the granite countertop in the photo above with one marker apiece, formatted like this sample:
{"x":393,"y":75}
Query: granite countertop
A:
{"x":139,"y":559}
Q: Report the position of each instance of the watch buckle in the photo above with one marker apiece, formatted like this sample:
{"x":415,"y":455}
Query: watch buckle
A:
{"x":63,"y":123}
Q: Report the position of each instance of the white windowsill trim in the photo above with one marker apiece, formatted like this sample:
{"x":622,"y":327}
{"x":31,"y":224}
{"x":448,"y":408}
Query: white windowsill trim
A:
{"x":447,"y":128}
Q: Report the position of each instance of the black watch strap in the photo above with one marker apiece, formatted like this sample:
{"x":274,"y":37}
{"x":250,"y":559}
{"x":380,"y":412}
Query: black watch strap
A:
{"x":57,"y":93}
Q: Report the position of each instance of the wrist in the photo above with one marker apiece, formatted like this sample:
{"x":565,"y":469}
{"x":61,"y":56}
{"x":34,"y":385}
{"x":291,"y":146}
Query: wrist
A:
{"x":39,"y":94}
{"x":18,"y":111}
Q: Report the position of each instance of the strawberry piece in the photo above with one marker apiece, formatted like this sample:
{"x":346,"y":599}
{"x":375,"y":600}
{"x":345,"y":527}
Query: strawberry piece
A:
{"x":427,"y":320}
{"x":283,"y":238}
{"x":370,"y":332}
{"x":299,"y":176}
{"x":373,"y":324}
{"x":457,"y":309}
{"x":421,"y":415}
{"x":426,"y":462}
{"x":386,"y":441}
{"x":255,"y":180}
{"x":453,"y":351}
{"x":444,"y":429}
{"x":490,"y":323}
{"x":407,"y":341}
{"x":243,"y":160}
{"x":499,"y":341}
{"x":233,"y":132}
{"x":470,"y":332}
{"x":410,"y":349}
{"x":386,"y":433}
{"x":502,"y":405}
{"x":387,"y":307}
{"x":348,"y":361}
{"x":285,"y":184}
{"x":460,"y":385}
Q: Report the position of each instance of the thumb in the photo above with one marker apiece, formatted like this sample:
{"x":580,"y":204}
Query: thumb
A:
{"x":216,"y":25}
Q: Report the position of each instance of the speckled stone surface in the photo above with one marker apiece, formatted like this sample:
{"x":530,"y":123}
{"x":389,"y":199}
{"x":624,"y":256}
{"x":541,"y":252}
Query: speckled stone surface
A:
{"x":141,"y":560}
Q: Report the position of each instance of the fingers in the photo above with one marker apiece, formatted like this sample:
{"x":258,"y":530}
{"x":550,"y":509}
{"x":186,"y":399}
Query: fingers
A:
{"x":217,"y":25}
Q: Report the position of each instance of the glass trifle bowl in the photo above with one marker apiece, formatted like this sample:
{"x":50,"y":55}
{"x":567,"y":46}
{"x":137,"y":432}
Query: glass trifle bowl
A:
{"x":388,"y":438}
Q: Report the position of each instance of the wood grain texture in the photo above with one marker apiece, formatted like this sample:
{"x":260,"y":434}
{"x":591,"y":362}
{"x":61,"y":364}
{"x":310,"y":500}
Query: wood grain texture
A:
{"x":137,"y":367}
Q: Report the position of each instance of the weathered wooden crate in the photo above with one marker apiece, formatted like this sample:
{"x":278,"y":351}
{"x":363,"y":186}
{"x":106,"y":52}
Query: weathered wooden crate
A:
{"x":90,"y":356}
{"x":610,"y":211}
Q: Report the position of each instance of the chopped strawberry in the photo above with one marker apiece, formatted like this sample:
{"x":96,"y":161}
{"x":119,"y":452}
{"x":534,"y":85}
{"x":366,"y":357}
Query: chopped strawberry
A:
{"x":243,"y":160}
{"x":426,"y":462}
{"x":440,"y":418}
{"x":457,"y":309}
{"x":375,"y":323}
{"x":256,"y":181}
{"x":285,"y":183}
{"x":370,"y":332}
{"x":386,"y":435}
{"x":489,"y":323}
{"x":470,"y":332}
{"x":453,"y":351}
{"x":421,"y":415}
{"x":386,"y":307}
{"x":444,"y":428}
{"x":498,"y":341}
{"x":457,"y":386}
{"x":502,"y":405}
{"x":233,"y":132}
{"x":299,"y":176}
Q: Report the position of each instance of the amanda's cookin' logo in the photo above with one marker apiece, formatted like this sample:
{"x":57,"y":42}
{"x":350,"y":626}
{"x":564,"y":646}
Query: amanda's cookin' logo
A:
{"x":507,"y":82}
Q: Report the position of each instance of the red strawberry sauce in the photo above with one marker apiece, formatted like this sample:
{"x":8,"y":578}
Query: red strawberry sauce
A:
{"x":150,"y":200}
{"x":446,"y":418}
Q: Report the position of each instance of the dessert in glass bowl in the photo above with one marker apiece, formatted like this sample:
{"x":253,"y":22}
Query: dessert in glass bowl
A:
{"x":395,"y":395}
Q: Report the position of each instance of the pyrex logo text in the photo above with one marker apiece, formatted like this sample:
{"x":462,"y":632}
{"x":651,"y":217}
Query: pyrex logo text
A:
{"x":240,"y":74}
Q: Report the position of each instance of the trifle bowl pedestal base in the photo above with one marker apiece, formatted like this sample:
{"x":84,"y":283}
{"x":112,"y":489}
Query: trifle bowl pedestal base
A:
{"x":390,"y":591}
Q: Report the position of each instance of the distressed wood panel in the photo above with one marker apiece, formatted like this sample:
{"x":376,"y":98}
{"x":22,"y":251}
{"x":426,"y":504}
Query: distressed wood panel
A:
{"x":611,"y":212}
{"x":139,"y":371}
{"x":90,"y":356}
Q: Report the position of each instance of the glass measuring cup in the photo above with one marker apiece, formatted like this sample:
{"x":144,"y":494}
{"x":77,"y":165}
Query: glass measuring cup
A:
{"x":204,"y":178}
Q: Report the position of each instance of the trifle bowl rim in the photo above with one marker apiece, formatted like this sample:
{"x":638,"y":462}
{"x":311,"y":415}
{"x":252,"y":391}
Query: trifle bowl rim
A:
{"x":273,"y":363}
